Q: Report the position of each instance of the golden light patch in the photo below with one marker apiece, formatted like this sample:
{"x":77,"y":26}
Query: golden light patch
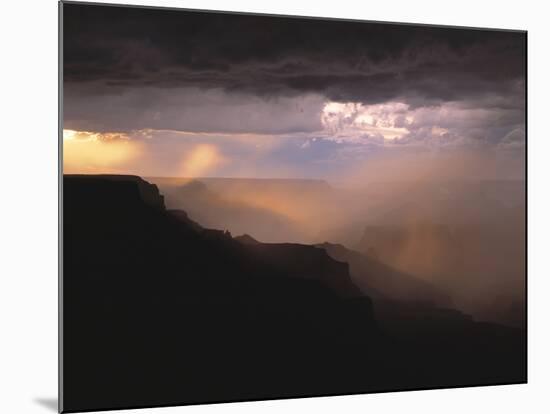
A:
{"x":91,"y":152}
{"x":202,"y":159}
{"x":304,"y":211}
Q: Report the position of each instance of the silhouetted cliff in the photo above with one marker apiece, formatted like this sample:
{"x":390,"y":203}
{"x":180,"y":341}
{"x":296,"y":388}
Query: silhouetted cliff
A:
{"x":112,"y":191}
{"x":157,"y":307}
{"x":158,"y":310}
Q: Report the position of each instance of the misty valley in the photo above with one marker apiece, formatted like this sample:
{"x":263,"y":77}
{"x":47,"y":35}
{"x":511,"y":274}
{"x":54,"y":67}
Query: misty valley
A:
{"x":455,"y":243}
{"x":188,"y":290}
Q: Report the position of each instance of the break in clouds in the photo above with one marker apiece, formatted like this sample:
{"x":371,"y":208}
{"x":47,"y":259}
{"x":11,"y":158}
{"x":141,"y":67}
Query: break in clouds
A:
{"x":285,"y":97}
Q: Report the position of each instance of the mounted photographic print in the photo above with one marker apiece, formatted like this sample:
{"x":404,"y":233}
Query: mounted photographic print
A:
{"x":261,"y":207}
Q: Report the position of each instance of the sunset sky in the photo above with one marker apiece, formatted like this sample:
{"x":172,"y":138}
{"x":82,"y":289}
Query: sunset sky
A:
{"x":163,"y":93}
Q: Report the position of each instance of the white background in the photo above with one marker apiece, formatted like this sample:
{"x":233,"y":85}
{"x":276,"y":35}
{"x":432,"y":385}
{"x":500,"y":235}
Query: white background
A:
{"x":28,"y":203}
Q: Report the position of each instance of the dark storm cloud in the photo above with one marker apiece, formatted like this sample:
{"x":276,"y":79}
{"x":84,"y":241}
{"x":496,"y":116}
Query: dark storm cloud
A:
{"x":118,"y":49}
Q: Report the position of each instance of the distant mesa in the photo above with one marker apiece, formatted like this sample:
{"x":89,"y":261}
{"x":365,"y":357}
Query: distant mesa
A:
{"x":194,"y":186}
{"x":247,"y":239}
{"x":216,"y":183}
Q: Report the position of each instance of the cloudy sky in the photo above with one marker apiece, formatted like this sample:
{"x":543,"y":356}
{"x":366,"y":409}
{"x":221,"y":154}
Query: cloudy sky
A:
{"x":179,"y":93}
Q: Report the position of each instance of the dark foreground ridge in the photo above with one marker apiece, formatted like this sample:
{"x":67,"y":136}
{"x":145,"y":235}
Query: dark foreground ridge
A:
{"x":160,"y":311}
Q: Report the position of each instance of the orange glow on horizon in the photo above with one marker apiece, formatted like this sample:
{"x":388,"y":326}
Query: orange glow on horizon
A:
{"x":90,"y":152}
